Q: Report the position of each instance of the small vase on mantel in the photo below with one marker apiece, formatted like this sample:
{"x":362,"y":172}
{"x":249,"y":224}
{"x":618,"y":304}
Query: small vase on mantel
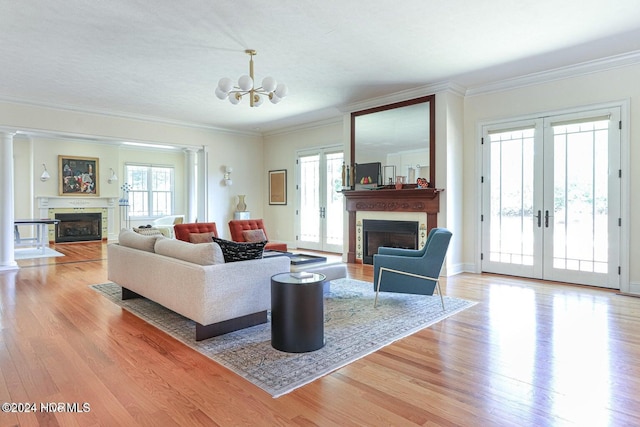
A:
{"x":399,"y":182}
{"x":241,"y":206}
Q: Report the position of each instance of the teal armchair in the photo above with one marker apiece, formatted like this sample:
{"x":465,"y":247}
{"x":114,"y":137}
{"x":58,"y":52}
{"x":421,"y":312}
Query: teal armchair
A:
{"x":412,"y":271}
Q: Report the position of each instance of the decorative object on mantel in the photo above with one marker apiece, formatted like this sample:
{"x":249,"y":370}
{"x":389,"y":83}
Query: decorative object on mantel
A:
{"x":422,"y":183}
{"x":45,"y":174}
{"x":78,"y":176}
{"x":347,"y":183}
{"x":389,"y":175}
{"x":367,"y":175}
{"x":400,"y":180}
{"x":352,"y":181}
{"x":246,"y":86}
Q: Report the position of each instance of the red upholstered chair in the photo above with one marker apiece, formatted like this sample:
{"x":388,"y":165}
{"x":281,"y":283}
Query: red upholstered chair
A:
{"x":182,"y":231}
{"x":237,"y":226}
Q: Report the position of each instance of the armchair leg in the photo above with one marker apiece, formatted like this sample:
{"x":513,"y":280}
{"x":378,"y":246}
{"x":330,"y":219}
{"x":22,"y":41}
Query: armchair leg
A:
{"x":375,"y":301}
{"x":440,"y":293}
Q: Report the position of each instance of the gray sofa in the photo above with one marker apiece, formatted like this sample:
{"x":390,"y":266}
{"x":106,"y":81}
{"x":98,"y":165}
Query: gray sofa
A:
{"x":194,"y":281}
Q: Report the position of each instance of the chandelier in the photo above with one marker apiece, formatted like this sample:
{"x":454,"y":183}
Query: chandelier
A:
{"x":269,"y":89}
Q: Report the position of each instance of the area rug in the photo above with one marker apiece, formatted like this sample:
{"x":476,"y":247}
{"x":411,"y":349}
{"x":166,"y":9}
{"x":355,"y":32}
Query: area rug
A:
{"x":353,"y":329}
{"x":29,"y":253}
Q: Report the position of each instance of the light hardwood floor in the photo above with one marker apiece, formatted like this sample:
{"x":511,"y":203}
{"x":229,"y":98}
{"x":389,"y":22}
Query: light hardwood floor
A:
{"x":530,"y":353}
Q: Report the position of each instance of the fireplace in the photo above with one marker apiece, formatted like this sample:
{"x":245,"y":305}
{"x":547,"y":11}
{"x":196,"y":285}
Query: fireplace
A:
{"x":78,"y":227}
{"x":395,"y":234}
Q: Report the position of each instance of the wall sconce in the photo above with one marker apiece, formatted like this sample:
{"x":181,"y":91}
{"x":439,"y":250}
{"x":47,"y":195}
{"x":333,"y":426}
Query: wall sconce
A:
{"x":45,"y":174}
{"x":227,"y":175}
{"x":113,"y":176}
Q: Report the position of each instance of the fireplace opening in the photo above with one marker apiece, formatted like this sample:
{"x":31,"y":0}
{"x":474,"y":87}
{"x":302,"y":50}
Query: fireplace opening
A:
{"x":78,"y":227}
{"x":394,"y":234}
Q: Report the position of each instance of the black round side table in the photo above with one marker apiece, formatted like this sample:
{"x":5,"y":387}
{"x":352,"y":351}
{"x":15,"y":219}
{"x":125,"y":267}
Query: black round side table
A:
{"x":297,"y":312}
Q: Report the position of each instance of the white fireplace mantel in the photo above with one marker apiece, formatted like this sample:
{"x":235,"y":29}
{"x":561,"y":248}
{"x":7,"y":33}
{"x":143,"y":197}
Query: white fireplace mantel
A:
{"x":55,"y":202}
{"x":45,"y":203}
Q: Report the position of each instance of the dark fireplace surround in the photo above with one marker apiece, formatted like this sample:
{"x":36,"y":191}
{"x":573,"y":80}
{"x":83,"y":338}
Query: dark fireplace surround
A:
{"x":78,"y":227}
{"x":394,"y":234}
{"x":390,"y":200}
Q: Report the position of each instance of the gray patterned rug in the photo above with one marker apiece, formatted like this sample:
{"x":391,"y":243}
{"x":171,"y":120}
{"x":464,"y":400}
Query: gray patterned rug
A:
{"x":353,"y":329}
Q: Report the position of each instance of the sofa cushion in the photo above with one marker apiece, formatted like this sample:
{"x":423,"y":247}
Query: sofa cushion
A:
{"x":198,"y":254}
{"x":131,"y":239}
{"x":253,"y":236}
{"x":202,"y":237}
{"x":234,"y":251}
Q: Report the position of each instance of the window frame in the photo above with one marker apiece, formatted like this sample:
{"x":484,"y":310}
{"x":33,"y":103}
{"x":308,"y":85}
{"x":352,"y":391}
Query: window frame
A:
{"x":150,"y":190}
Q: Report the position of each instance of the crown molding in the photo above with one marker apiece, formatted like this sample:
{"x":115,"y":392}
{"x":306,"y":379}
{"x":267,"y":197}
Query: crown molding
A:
{"x":405,"y":95}
{"x":93,"y":139}
{"x":119,"y":115}
{"x":304,"y":126}
{"x":580,"y":69}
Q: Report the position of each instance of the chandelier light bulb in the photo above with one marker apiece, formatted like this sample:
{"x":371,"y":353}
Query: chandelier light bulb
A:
{"x":245,"y":83}
{"x":257,"y":100}
{"x":282,"y":90}
{"x":268,"y":84}
{"x":235,"y":98}
{"x":220,"y":94}
{"x":225,"y":85}
{"x":274,"y":98}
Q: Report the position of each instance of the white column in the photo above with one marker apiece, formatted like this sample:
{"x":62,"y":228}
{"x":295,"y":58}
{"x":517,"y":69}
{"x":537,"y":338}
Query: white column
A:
{"x":192,"y":179}
{"x":7,"y":254}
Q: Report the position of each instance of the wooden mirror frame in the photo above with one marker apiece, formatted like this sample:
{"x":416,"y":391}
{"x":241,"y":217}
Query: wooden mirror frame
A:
{"x":431,"y":99}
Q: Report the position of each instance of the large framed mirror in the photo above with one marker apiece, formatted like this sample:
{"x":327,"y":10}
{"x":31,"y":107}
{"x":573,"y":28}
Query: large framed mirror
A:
{"x":401,"y":136}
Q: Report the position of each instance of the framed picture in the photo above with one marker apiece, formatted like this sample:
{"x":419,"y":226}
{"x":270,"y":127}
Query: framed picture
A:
{"x":278,"y":187}
{"x":78,"y":176}
{"x":368,"y":175}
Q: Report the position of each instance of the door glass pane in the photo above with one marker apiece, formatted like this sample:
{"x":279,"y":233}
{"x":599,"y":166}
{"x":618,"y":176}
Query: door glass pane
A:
{"x":511,"y":210}
{"x":310,"y":198}
{"x":580,"y":223}
{"x":334,"y":213}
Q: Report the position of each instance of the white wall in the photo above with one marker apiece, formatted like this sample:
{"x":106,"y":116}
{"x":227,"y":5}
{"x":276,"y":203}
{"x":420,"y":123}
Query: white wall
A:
{"x":280,"y":153}
{"x":449,"y":175}
{"x":595,"y":88}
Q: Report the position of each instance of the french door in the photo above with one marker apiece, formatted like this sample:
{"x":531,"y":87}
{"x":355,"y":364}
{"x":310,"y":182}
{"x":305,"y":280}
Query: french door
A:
{"x":320,"y":211}
{"x":551,"y":198}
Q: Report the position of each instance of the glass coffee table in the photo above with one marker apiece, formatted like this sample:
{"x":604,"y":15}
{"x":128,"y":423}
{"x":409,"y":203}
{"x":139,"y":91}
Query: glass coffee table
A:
{"x":297,"y":312}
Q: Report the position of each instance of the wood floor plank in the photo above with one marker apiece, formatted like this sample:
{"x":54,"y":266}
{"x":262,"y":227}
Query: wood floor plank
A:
{"x":529,"y":353}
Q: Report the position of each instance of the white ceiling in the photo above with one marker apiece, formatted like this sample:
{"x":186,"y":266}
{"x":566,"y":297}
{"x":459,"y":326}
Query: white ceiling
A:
{"x":162,"y":59}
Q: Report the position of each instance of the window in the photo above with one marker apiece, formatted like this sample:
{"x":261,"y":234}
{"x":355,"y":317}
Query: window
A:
{"x":151,"y":193}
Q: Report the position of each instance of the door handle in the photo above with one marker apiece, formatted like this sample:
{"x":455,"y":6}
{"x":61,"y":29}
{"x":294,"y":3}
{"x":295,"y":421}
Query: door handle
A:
{"x":546,"y":219}
{"x":539,"y":218}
